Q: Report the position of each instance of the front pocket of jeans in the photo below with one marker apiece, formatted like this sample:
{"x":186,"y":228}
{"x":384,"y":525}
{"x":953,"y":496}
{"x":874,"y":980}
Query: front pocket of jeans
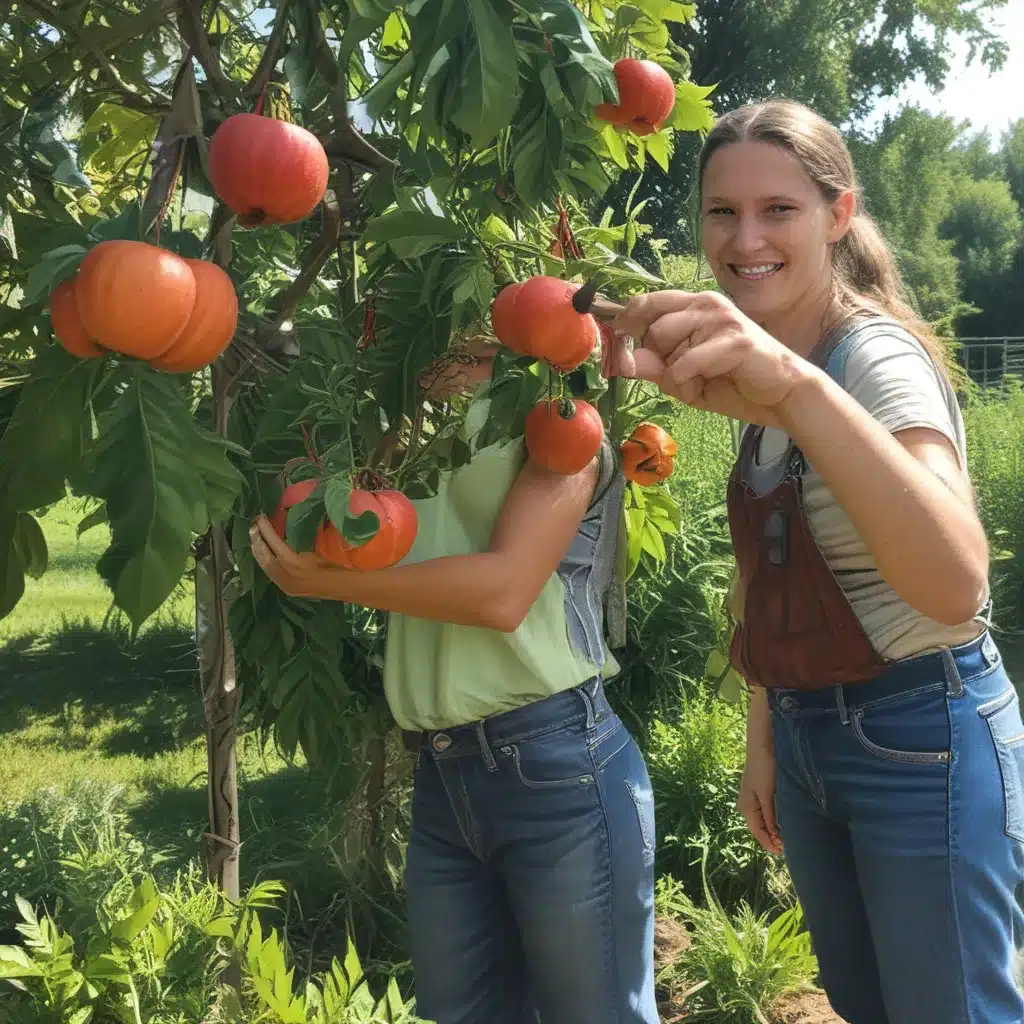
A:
{"x":1007,"y":731}
{"x":552,"y":761}
{"x":903,"y":711}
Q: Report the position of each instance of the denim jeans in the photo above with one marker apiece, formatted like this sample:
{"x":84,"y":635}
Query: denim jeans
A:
{"x":530,"y":869}
{"x":901,"y":810}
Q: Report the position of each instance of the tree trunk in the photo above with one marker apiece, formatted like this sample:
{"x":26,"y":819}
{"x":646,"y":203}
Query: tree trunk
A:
{"x":220,"y":696}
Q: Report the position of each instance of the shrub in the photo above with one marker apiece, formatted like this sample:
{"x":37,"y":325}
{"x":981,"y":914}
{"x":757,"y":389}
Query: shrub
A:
{"x":736,"y":967}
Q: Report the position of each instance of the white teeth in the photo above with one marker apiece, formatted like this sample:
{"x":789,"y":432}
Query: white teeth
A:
{"x":761,"y":268}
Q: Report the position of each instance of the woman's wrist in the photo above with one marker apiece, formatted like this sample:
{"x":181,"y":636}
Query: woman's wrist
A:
{"x":759,"y":723}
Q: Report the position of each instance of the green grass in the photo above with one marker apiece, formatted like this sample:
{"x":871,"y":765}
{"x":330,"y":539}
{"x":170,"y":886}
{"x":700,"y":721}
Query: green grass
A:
{"x":80,"y":702}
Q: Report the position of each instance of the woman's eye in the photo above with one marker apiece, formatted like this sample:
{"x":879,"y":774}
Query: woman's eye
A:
{"x":718,"y":210}
{"x":780,"y":208}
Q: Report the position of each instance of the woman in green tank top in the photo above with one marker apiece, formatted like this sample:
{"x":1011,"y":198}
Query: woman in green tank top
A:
{"x":530,"y":867}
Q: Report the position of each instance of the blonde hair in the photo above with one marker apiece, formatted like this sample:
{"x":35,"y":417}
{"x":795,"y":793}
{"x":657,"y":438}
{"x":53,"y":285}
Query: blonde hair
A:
{"x":865,"y":278}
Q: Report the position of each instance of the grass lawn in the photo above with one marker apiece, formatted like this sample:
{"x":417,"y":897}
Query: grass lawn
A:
{"x":79,"y":702}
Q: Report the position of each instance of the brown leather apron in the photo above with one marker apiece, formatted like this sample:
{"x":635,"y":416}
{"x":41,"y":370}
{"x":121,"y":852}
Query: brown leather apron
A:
{"x":799,"y":630}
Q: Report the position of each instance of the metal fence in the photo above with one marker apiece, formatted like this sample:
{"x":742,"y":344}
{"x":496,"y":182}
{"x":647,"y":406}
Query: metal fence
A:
{"x":989,"y":360}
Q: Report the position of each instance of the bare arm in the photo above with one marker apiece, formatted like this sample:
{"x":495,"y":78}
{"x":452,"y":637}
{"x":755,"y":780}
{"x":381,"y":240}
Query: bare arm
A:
{"x":494,"y":589}
{"x":905,"y":493}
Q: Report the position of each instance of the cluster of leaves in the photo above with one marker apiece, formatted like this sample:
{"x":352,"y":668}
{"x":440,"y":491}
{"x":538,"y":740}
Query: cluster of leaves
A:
{"x":150,"y":955}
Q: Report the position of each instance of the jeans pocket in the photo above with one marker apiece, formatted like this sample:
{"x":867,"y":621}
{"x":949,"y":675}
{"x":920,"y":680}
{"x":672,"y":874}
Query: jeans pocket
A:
{"x":1007,"y":731}
{"x":553,"y":760}
{"x":910,"y":729}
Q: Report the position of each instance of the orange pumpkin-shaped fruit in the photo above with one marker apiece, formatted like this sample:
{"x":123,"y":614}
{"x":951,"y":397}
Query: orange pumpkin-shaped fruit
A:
{"x":67,"y":323}
{"x":134,"y":298}
{"x":294,"y":494}
{"x":648,"y":454}
{"x":388,"y":546}
{"x":267,"y":171}
{"x":211,"y":326}
{"x":564,"y":434}
{"x":504,"y":322}
{"x":647,"y":96}
{"x":549,"y":326}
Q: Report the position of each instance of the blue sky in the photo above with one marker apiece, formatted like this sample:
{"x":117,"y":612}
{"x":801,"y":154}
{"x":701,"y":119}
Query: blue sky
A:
{"x":988,"y":101}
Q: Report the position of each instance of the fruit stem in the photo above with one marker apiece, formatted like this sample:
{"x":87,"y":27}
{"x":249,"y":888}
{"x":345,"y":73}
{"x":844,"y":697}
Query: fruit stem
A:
{"x":258,"y":109}
{"x":566,"y":408}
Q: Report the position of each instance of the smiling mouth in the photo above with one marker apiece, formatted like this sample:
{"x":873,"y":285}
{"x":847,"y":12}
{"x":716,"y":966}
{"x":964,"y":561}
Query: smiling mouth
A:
{"x":756,"y":271}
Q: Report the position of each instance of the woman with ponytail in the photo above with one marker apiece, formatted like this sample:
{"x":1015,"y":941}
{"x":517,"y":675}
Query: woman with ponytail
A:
{"x":885,"y":747}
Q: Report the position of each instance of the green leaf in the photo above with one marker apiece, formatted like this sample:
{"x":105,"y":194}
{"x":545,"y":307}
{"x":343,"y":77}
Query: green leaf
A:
{"x":660,"y":149}
{"x":55,"y":266}
{"x":7,"y":233}
{"x":355,"y":529}
{"x":488,"y":92}
{"x":411,"y":234}
{"x":43,"y":442}
{"x":30,"y":545}
{"x":163,"y":479}
{"x":537,"y":155}
{"x":97,"y":517}
{"x":693,"y":111}
{"x":12,"y":572}
{"x":616,"y":145}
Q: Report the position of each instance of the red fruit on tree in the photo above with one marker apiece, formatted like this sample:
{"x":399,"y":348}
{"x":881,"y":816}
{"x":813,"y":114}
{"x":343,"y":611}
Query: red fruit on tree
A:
{"x":647,"y":96}
{"x":211,"y":326}
{"x":564,"y":434}
{"x":504,"y":323}
{"x":294,"y":494}
{"x":543,"y":313}
{"x":134,"y":298}
{"x":648,"y":454}
{"x":67,"y":323}
{"x":267,"y":171}
{"x":388,"y":546}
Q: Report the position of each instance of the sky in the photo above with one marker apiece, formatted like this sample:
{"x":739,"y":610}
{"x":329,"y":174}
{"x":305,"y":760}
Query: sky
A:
{"x":970,"y":92}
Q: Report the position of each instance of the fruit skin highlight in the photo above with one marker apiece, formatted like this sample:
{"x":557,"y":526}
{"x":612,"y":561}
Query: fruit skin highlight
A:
{"x":267,"y":171}
{"x":563,"y":434}
{"x":647,"y":96}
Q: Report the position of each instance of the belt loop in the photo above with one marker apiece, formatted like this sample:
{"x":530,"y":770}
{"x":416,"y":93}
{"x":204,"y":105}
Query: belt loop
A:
{"x":588,"y":703}
{"x":954,"y":684}
{"x":485,"y":747}
{"x":844,"y":716}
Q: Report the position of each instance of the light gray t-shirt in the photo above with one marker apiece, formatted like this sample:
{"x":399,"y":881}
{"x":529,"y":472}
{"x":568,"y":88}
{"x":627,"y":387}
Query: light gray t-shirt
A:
{"x":891,"y":374}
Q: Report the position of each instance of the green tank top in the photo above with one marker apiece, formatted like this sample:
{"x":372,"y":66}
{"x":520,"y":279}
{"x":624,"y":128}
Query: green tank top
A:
{"x":438,"y":675}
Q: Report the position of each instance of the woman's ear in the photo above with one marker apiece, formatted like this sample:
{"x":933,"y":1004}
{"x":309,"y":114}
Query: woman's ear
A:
{"x":843,"y":211}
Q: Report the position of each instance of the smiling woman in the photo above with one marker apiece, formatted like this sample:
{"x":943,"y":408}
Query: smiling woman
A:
{"x":884,"y":739}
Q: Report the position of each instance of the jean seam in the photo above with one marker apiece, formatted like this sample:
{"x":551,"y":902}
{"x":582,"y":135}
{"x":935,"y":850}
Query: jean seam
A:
{"x":611,"y":959}
{"x":805,"y":759}
{"x":645,"y":836}
{"x":574,"y":780}
{"x":952,"y":848}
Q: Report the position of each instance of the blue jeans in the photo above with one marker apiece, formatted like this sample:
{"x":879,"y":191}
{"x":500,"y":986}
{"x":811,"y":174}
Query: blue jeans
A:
{"x":901,"y":809}
{"x":530,"y":869}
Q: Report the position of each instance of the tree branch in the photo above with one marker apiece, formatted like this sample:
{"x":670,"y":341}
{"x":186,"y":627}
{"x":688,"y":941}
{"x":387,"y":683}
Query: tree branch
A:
{"x":190,"y":25}
{"x":265,"y":68}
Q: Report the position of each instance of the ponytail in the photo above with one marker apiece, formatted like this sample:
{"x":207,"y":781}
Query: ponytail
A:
{"x":866,"y":279}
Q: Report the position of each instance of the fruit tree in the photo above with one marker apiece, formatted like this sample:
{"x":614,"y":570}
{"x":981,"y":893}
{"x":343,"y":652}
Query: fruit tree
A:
{"x":243,"y":245}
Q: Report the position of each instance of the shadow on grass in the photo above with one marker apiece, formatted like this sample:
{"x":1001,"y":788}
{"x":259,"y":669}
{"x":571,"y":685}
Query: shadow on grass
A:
{"x":83,"y":674}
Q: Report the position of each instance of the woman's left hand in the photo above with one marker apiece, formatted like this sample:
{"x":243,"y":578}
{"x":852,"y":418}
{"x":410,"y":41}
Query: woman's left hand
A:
{"x":699,"y":348}
{"x":298,"y":575}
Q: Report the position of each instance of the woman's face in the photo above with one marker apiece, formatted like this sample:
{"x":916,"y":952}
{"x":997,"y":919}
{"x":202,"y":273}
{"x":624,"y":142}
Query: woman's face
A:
{"x":766,"y":229}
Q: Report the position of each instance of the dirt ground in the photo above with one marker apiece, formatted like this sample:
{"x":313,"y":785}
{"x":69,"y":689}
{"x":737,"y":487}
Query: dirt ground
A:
{"x":671,"y":938}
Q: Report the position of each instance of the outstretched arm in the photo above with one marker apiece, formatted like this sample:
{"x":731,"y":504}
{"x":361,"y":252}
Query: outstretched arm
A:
{"x":494,"y":589}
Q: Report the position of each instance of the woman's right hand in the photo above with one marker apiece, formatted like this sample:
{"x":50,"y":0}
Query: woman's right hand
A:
{"x":757,"y":797}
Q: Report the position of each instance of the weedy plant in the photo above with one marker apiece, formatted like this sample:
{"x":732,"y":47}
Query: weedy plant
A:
{"x":746,"y":961}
